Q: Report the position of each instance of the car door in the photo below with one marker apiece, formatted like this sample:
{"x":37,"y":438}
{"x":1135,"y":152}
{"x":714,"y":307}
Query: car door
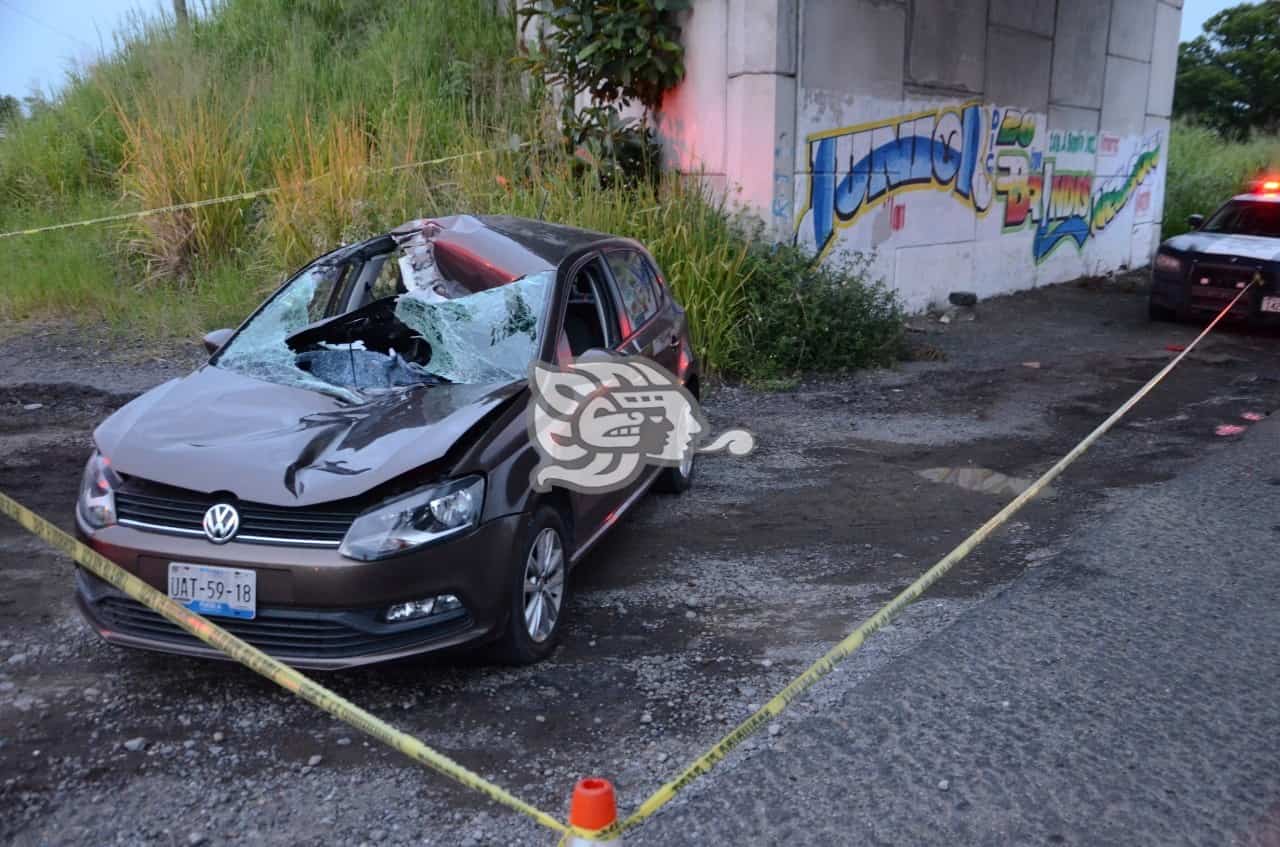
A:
{"x":646,"y":324}
{"x":592,"y":320}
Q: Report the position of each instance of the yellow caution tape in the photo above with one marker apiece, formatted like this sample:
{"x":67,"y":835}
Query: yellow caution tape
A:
{"x":259,"y":662}
{"x":233,"y":198}
{"x":291,"y":680}
{"x":894,"y":607}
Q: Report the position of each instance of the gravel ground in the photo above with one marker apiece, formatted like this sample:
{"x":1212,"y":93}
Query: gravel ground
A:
{"x":1123,"y":693}
{"x":693,"y":611}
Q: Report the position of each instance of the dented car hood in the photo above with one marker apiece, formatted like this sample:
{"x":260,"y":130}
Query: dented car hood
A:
{"x":219,"y":431}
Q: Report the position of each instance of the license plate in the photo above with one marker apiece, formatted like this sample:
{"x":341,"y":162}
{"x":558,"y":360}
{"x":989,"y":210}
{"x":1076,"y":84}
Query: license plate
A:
{"x":1271,"y":304}
{"x":209,"y":590}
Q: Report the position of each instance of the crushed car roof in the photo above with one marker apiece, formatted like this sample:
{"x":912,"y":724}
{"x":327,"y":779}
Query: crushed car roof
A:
{"x":511,"y":247}
{"x":552,"y":242}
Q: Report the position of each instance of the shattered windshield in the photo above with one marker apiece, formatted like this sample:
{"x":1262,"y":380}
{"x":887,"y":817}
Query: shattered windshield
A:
{"x":489,"y":336}
{"x":381,"y":323}
{"x":261,"y":349}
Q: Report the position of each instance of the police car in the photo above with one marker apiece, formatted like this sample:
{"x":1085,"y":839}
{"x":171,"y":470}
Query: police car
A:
{"x":1198,"y":273}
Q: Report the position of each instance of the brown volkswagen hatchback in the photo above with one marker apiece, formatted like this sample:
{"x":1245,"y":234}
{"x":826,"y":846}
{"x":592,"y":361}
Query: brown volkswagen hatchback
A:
{"x":347,"y":480}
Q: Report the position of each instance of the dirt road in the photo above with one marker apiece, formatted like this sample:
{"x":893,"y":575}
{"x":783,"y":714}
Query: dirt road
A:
{"x":694,"y":610}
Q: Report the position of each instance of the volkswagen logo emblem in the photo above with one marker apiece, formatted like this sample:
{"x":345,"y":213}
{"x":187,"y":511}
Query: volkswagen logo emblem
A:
{"x":221,"y":523}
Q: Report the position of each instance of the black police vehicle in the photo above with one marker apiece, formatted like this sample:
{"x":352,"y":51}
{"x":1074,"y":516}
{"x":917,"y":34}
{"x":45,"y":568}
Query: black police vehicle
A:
{"x":1199,"y":272}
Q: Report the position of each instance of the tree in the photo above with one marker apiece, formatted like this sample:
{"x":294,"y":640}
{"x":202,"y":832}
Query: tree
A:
{"x":10,"y":109}
{"x":611,"y":55}
{"x":36,"y":104}
{"x":1229,"y":77}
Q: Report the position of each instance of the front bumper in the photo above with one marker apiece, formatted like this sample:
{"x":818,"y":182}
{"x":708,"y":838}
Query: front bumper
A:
{"x":315,"y":608}
{"x":1175,"y":292}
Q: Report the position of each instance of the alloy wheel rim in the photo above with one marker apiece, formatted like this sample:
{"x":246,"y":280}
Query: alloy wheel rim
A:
{"x":543,"y":585}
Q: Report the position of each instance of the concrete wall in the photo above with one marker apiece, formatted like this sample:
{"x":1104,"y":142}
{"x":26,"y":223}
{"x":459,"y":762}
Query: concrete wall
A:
{"x":985,"y":145}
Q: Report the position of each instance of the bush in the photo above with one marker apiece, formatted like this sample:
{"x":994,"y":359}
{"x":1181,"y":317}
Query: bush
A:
{"x":1205,"y":170}
{"x":611,"y":55}
{"x":802,"y":317}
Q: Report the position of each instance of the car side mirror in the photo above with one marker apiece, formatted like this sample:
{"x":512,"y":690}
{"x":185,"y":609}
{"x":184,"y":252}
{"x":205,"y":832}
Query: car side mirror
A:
{"x":214,"y":340}
{"x":1195,"y":221}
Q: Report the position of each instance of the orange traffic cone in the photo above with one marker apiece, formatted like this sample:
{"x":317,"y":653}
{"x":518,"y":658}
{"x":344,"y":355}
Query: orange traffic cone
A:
{"x":593,"y":807}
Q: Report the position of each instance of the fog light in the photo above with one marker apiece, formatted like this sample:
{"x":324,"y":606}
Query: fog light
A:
{"x":422,"y":608}
{"x":409,"y":611}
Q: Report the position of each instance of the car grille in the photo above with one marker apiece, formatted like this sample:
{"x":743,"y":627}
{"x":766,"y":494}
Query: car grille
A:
{"x":1213,"y":286}
{"x":294,"y":633}
{"x":1222,"y":276}
{"x":180,"y":512}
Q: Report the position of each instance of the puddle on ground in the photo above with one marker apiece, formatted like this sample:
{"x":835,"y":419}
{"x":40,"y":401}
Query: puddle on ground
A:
{"x":983,"y":480}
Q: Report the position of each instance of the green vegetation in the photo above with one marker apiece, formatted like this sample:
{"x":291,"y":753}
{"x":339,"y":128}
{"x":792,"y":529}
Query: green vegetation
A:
{"x":1227,"y":110}
{"x":804,"y":317}
{"x":1229,"y":77}
{"x":301,"y":90}
{"x":320,"y":100}
{"x":1205,"y":170}
{"x":604,"y":57}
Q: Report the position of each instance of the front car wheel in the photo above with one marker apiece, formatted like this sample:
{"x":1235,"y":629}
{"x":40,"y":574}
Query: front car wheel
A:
{"x":539,"y":592}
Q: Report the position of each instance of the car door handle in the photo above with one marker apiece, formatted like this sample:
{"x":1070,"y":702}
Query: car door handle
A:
{"x":675,"y":339}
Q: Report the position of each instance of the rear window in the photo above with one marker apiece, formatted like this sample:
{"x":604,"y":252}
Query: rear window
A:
{"x":1245,"y":217}
{"x":636,"y":284}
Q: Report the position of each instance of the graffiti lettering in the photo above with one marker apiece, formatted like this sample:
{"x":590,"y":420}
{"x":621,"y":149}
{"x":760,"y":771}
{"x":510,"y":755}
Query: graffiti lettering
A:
{"x":1073,"y":142}
{"x":1016,"y":128}
{"x":853,"y":170}
{"x":975,"y":154}
{"x":1065,"y":211}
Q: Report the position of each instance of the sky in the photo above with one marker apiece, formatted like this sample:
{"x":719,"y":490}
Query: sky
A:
{"x":1194,"y":14}
{"x":39,"y":39}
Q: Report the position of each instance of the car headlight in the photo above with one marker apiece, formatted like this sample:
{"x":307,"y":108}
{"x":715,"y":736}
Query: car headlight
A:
{"x":421,"y":517}
{"x":97,"y":501}
{"x":1168,"y":264}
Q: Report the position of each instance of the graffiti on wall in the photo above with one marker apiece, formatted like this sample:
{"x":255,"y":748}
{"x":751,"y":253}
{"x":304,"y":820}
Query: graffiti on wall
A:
{"x":857,"y":168}
{"x":982,"y":156}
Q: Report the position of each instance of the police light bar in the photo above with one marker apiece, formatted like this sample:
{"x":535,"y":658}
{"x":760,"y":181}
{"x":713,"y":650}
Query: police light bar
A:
{"x":1269,"y":184}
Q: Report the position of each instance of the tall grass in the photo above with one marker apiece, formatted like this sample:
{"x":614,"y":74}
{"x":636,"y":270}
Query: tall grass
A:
{"x":178,"y":151}
{"x":261,"y":92}
{"x":323,"y":181}
{"x":329,"y":103}
{"x":1205,"y":170}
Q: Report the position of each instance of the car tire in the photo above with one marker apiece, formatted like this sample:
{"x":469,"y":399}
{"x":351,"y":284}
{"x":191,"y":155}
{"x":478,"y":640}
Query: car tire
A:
{"x":536,"y":592}
{"x":677,"y":479}
{"x":1156,"y":312}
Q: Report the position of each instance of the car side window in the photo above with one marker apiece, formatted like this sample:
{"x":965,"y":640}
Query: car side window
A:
{"x":636,"y":285}
{"x":589,"y":320}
